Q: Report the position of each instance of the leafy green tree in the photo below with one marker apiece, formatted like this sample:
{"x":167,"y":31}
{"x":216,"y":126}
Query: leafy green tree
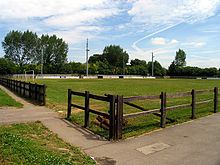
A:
{"x":173,"y":69}
{"x":95,"y":58}
{"x":177,"y":65}
{"x":210,"y":71}
{"x":138,"y":67}
{"x":54,"y":53}
{"x":132,"y":70}
{"x":28,"y":67}
{"x":93,"y":68}
{"x":19,"y":47}
{"x":196,"y":71}
{"x":138,"y":62}
{"x":180,"y":59}
{"x":158,"y":69}
{"x":115,"y":55}
{"x":27,"y":48}
{"x":7,"y":67}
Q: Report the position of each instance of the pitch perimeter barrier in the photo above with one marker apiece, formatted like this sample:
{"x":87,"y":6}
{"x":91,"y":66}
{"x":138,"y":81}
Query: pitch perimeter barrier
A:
{"x":115,"y":113}
{"x":31,"y":91}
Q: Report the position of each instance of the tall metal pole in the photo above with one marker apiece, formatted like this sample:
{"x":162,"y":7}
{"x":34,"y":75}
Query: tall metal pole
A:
{"x":42,"y":59}
{"x":123,"y":65}
{"x":87,"y":52}
{"x":152,"y":64}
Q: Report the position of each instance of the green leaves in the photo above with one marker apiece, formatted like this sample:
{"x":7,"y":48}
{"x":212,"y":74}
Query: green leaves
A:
{"x":6,"y":67}
{"x":115,"y":55}
{"x":179,"y":62}
{"x":26,"y":47}
{"x":180,"y":59}
{"x":19,"y":47}
{"x":54,"y":53}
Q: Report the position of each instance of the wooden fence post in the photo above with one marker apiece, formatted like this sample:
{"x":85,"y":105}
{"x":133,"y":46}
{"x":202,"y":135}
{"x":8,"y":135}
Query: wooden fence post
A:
{"x":215,"y":99}
{"x":20,"y":87}
{"x":193,"y":104}
{"x":24,"y":88}
{"x":29,"y":89}
{"x":14,"y":85}
{"x":112,"y":117}
{"x":44,"y":94}
{"x":35,"y":91}
{"x":119,"y":120}
{"x":163,"y":110}
{"x":69,"y":102}
{"x":86,"y":109}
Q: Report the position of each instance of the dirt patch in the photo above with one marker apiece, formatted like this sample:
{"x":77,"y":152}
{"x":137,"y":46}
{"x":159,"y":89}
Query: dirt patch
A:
{"x":105,"y":161}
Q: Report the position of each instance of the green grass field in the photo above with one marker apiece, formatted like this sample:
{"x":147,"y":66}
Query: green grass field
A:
{"x":57,"y":99}
{"x":33,"y":143}
{"x":7,"y":101}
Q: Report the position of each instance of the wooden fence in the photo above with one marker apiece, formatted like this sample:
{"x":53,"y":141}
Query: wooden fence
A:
{"x":163,"y":97}
{"x":34,"y":92}
{"x":116,"y":112}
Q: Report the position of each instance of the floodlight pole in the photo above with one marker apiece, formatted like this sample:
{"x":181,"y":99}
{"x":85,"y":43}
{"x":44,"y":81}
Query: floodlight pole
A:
{"x":87,"y":54}
{"x":42,"y":59}
{"x":152,"y":64}
{"x":123,"y":65}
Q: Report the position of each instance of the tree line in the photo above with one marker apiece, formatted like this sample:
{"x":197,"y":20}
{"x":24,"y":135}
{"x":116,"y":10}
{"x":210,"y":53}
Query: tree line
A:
{"x":26,"y":51}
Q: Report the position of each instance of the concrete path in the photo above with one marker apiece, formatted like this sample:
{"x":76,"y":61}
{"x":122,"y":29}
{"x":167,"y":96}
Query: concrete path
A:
{"x":192,"y":143}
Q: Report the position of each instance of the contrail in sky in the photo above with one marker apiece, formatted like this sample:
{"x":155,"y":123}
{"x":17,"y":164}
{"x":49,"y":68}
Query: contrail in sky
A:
{"x":152,"y":34}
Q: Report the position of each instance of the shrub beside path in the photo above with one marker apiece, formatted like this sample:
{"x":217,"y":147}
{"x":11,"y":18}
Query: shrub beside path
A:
{"x":196,"y":142}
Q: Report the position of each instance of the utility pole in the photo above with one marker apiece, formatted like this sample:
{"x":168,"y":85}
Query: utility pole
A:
{"x":87,"y":52}
{"x":123,"y":65}
{"x":42,"y":59}
{"x":152,"y":64}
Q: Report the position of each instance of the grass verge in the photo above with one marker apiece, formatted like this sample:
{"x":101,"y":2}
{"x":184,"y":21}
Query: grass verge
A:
{"x":33,"y":143}
{"x":7,"y":101}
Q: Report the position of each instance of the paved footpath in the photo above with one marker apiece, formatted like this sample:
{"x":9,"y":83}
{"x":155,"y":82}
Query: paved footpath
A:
{"x":192,"y":143}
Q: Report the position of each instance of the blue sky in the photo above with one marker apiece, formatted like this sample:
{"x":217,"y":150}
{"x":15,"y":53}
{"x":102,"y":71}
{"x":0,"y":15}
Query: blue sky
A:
{"x":138,"y":26}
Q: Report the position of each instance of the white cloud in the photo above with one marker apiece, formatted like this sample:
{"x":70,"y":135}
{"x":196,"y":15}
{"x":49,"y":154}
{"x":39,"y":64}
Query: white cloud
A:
{"x":158,"y":41}
{"x":80,"y":17}
{"x":72,"y":20}
{"x":169,"y":11}
{"x":174,"y":41}
{"x":78,"y":34}
{"x":41,"y":8}
{"x":60,"y":13}
{"x":193,"y":44}
{"x":163,"y":41}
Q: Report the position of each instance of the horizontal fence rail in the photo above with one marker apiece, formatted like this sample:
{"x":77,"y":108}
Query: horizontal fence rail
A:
{"x":29,"y":90}
{"x":115,"y":113}
{"x":163,"y":96}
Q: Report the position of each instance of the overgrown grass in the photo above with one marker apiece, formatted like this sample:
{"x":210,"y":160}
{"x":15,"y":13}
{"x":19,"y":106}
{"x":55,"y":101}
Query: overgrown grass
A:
{"x":33,"y":143}
{"x":7,"y":101}
{"x":57,"y":99}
